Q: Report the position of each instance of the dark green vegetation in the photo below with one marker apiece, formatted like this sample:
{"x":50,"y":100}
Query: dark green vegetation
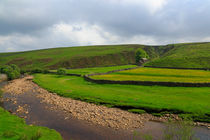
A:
{"x":189,"y":102}
{"x":194,"y":55}
{"x":12,"y":71}
{"x":14,"y":128}
{"x":84,"y":71}
{"x":61,"y":71}
{"x":158,"y":75}
{"x":140,"y":53}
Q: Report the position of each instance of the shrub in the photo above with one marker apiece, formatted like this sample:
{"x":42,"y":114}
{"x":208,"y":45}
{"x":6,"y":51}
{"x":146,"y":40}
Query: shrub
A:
{"x":46,"y":71}
{"x":15,"y":67}
{"x":37,"y":70}
{"x":12,"y":71}
{"x":23,"y":71}
{"x":140,"y":53}
{"x":61,"y":71}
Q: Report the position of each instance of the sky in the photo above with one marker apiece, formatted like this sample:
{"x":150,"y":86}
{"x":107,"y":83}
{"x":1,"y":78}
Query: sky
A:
{"x":38,"y":24}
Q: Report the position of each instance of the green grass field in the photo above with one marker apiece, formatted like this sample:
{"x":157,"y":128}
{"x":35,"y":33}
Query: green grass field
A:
{"x":191,"y":55}
{"x":194,"y":101}
{"x":158,"y":75}
{"x":72,"y":57}
{"x":14,"y":128}
{"x":84,"y":71}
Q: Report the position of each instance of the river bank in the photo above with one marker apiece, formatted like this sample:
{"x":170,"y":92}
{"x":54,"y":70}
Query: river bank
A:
{"x":101,"y":115}
{"x":75,"y":119}
{"x":3,"y":77}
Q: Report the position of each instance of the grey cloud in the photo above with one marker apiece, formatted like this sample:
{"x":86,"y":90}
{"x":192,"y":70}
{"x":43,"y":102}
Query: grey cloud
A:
{"x":186,"y":20}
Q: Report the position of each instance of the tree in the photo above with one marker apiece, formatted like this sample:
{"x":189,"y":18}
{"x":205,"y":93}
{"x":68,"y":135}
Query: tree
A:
{"x":61,"y":71}
{"x":140,"y":53}
{"x":15,"y":67}
{"x":12,"y":71}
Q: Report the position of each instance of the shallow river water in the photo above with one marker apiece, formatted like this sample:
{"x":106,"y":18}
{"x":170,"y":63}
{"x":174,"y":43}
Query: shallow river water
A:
{"x":73,"y":129}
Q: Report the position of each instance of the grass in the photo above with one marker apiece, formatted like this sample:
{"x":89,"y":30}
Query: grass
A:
{"x":72,"y":57}
{"x":84,"y":71}
{"x":193,"y":55}
{"x":193,"y":101}
{"x":14,"y":128}
{"x":158,"y":75}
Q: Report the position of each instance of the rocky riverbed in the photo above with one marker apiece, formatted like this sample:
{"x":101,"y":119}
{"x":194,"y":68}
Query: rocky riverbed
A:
{"x":100,"y":115}
{"x":3,"y":77}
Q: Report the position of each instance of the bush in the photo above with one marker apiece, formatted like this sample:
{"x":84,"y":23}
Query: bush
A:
{"x":23,"y":71}
{"x":46,"y":71}
{"x":15,"y":67}
{"x":61,"y":71}
{"x":12,"y":71}
{"x":140,"y":53}
{"x":37,"y":70}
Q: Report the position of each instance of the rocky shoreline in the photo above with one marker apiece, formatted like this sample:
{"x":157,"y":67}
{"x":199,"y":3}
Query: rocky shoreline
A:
{"x":96,"y":114}
{"x":3,"y":77}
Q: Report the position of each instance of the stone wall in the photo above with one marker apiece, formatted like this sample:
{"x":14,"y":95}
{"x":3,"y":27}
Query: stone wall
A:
{"x":179,"y":68}
{"x":147,"y":83}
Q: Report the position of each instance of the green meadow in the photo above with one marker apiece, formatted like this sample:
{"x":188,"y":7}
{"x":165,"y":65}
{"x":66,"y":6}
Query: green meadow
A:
{"x":84,"y":71}
{"x":183,"y":100}
{"x":158,"y":75}
{"x":14,"y":128}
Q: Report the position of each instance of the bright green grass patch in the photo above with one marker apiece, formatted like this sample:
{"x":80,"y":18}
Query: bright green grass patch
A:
{"x":150,"y":98}
{"x":158,"y":75}
{"x":14,"y":128}
{"x":84,"y":71}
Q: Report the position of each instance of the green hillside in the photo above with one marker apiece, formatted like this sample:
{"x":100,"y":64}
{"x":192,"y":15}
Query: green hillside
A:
{"x":193,"y":55}
{"x":73,"y":57}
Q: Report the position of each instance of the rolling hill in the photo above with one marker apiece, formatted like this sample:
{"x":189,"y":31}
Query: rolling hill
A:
{"x":75,"y":57}
{"x":191,"y":55}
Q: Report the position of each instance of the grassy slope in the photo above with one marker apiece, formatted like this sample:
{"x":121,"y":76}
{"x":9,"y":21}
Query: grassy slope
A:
{"x":14,"y":128}
{"x":84,"y":71}
{"x":156,"y":98}
{"x":158,"y":75}
{"x":194,"y":55}
{"x":73,"y":57}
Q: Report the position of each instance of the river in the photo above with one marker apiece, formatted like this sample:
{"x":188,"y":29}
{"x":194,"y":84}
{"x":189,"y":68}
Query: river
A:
{"x":71,"y":128}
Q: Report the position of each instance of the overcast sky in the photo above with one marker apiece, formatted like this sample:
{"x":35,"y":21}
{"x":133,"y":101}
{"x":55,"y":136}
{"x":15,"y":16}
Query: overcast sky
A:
{"x":37,"y":24}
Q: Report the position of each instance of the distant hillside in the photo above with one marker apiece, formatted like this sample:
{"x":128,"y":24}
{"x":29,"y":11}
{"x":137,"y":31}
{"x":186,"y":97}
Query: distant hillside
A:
{"x":191,"y":55}
{"x":74,"y":57}
{"x":178,"y":55}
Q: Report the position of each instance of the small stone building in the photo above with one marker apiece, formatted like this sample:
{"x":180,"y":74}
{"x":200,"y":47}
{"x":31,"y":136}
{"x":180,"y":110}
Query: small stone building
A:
{"x":142,"y":61}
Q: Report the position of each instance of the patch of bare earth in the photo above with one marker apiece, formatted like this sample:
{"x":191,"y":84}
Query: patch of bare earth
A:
{"x":101,"y":115}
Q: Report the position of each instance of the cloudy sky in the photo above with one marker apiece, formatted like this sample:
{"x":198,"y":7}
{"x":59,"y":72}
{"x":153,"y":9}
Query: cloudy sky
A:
{"x":37,"y":24}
